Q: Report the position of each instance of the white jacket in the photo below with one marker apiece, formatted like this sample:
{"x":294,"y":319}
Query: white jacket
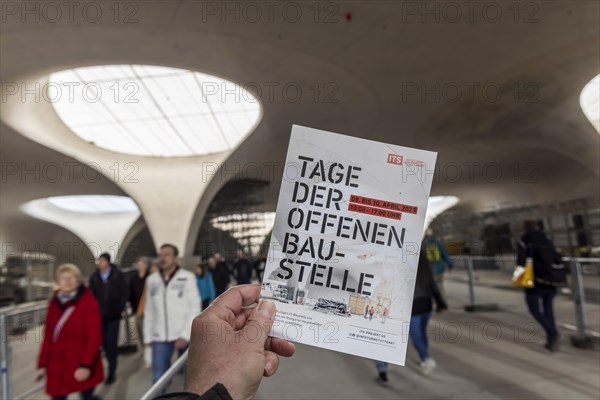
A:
{"x":170,"y":309}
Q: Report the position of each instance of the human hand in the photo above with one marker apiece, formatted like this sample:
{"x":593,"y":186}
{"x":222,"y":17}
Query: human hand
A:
{"x":230,"y":344}
{"x":81,"y":374}
{"x":181,"y":344}
{"x":41,"y":374}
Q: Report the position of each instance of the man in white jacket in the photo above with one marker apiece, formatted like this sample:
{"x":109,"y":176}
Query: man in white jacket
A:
{"x":172,"y":302}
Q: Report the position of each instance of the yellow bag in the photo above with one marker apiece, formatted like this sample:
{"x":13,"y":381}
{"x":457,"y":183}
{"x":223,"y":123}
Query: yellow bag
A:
{"x":523,"y":277}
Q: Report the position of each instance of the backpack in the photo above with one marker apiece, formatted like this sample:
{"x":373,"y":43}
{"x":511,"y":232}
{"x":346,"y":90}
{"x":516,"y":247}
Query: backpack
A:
{"x":548,"y":265}
{"x":432,"y":252}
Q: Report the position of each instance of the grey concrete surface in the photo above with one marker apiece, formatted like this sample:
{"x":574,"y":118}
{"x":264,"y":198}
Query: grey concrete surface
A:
{"x":491,"y":355}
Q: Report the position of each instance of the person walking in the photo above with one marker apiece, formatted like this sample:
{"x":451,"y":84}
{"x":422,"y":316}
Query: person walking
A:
{"x":70,"y":358}
{"x":136,"y":292}
{"x":384,"y":314}
{"x":439,"y":259}
{"x":242,"y":269}
{"x":172,"y":302}
{"x":366,"y":310}
{"x":425,"y":290}
{"x":259,"y":267}
{"x":547,"y":275}
{"x":371,"y":312}
{"x":220,"y":272}
{"x":112,"y":293}
{"x":206,"y":285}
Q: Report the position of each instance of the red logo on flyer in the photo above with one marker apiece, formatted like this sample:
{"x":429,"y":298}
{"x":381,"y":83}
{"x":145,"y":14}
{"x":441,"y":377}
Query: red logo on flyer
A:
{"x":395,"y":159}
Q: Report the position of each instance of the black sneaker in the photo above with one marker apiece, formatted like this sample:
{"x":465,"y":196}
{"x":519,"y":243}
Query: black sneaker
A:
{"x":110,"y":380}
{"x":382,"y":378}
{"x":553,"y":344}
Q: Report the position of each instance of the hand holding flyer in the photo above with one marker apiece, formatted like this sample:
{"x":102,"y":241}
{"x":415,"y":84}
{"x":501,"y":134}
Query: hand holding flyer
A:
{"x":345,"y":245}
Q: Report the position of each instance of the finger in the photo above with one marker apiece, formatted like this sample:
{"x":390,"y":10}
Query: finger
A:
{"x":280,"y":346}
{"x":227,"y":306}
{"x":260,"y":319}
{"x":237,"y":297}
{"x":242,"y":318}
{"x":271,"y":363}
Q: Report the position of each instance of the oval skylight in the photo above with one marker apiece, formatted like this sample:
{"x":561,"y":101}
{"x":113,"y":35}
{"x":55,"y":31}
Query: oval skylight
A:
{"x":153,"y":111}
{"x":590,"y":101}
{"x":94,"y":204}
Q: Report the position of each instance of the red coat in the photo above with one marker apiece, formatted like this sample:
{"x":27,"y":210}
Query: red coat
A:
{"x":76,"y":345}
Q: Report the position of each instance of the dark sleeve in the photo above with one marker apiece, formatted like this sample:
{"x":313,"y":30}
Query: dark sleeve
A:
{"x":521,"y":253}
{"x":123,"y":289}
{"x":132,"y":299}
{"x":92,"y":285}
{"x":217,"y":392}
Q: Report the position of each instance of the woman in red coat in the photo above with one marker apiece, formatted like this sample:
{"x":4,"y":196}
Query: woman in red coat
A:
{"x":70,"y":354}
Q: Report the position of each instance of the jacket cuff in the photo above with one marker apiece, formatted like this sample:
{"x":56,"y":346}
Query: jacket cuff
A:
{"x":217,"y":392}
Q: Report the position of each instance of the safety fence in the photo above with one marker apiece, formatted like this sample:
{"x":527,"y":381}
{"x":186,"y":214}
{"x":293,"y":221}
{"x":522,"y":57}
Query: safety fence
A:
{"x":579,"y":267}
{"x":24,"y":323}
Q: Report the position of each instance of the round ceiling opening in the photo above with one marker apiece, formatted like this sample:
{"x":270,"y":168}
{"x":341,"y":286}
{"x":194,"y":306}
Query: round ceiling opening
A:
{"x":153,"y":111}
{"x":94,"y":204}
{"x":590,"y":101}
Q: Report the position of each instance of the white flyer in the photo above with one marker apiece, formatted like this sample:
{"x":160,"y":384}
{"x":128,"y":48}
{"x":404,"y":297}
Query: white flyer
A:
{"x":344,"y":249}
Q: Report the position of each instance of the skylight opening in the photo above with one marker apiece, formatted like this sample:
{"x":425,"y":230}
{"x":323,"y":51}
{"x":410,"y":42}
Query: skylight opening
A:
{"x":436,"y":205}
{"x":153,"y":111}
{"x":94,"y":204}
{"x":590,"y":101}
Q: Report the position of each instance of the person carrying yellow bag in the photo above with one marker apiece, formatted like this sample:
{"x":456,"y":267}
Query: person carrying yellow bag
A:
{"x":523,"y":276}
{"x":539,"y":270}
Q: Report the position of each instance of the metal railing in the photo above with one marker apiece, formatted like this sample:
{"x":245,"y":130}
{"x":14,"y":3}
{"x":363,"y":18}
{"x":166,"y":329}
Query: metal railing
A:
{"x":19,"y":319}
{"x":16,"y":320}
{"x":582,"y":338}
{"x":578,"y":293}
{"x":161,"y":385}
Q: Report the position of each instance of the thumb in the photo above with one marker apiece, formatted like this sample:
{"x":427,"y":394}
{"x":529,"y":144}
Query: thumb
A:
{"x":260,"y":322}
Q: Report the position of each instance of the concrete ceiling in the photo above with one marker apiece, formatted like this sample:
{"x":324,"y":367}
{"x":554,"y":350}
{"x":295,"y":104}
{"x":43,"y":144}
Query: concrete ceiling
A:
{"x":370,"y":69}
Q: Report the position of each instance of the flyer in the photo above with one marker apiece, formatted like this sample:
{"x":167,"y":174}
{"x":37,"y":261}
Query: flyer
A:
{"x":344,"y":250}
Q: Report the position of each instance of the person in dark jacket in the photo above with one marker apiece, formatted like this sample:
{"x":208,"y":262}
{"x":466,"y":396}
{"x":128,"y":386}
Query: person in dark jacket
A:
{"x":220,"y":272}
{"x":110,"y":289}
{"x":225,"y":367}
{"x":136,"y":291}
{"x":242,"y":269}
{"x":425,"y":290}
{"x":70,"y":357}
{"x":539,"y":298}
{"x":137,"y":282}
{"x":259,"y":267}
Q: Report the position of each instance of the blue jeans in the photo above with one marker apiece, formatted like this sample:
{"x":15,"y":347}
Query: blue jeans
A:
{"x":162,"y":352}
{"x":381,"y":366}
{"x":418,"y":334}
